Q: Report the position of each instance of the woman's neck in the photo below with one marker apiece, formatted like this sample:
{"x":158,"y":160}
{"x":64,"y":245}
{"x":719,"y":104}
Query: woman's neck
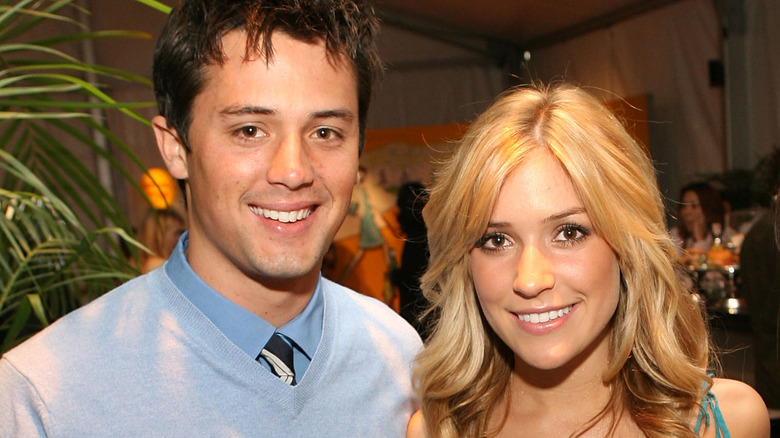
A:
{"x":562,"y":401}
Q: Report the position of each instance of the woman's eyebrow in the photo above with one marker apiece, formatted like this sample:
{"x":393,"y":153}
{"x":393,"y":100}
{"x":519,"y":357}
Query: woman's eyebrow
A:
{"x":564,"y":214}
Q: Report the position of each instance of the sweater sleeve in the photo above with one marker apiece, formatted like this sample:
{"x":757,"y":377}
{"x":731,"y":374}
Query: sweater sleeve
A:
{"x":22,"y":413}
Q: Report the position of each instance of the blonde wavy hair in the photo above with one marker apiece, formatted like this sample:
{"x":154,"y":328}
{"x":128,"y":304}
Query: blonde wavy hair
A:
{"x":659,"y":349}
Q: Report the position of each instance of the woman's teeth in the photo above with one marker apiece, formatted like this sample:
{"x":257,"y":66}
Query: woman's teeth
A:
{"x":536,"y":318}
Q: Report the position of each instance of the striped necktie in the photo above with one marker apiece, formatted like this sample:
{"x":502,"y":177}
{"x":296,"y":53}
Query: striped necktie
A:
{"x":279,"y":355}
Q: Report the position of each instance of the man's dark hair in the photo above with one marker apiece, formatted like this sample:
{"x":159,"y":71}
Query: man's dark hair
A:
{"x":191,"y":40}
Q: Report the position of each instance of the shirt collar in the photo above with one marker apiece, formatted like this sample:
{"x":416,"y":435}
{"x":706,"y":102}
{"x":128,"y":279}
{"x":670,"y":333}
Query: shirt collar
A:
{"x":245,"y":329}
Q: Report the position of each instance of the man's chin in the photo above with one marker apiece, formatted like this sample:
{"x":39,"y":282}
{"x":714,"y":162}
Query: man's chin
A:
{"x":285,"y":270}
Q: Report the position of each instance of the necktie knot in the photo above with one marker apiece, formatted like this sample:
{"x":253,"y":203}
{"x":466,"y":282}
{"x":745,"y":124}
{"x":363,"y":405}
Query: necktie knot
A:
{"x":278,"y":354}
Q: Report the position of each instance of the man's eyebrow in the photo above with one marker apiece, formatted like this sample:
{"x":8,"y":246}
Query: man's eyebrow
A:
{"x":344,"y":114}
{"x":334,"y":114}
{"x":241,"y":110}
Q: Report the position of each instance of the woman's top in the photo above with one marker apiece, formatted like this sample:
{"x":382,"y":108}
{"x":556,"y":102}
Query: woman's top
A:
{"x":704,"y":244}
{"x":710,"y":404}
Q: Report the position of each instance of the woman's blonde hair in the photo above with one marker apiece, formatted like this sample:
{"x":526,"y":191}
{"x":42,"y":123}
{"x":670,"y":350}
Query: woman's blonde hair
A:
{"x":152,"y":233}
{"x":659,"y":350}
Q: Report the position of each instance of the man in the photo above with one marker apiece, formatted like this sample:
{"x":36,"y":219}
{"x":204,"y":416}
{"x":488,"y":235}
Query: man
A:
{"x":760,"y":264}
{"x":263,"y":107}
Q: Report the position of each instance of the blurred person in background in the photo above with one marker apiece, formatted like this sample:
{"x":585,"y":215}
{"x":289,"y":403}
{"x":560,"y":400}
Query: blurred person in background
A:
{"x":760,"y":286}
{"x":159,"y":232}
{"x":702,"y":218}
{"x":414,"y":255}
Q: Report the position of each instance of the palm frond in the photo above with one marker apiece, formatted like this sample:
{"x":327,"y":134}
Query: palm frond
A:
{"x":61,"y":232}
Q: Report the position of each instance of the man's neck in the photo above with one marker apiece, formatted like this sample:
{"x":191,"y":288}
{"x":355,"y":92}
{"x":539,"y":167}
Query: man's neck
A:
{"x":276,"y":300}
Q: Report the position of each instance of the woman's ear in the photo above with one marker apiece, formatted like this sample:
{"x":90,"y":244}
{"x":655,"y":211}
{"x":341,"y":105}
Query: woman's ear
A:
{"x":172,"y":149}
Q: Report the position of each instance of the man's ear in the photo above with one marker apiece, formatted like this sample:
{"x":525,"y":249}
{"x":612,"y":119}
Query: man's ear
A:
{"x":171,"y":147}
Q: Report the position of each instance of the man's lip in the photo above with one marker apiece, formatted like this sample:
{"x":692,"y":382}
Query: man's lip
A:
{"x":284,"y":215}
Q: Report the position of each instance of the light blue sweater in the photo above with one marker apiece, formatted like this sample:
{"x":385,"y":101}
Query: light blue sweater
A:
{"x":142,"y":361}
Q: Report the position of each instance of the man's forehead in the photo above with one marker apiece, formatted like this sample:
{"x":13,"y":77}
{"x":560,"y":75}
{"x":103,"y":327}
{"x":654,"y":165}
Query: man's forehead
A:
{"x":239,"y":42}
{"x":238,"y":79}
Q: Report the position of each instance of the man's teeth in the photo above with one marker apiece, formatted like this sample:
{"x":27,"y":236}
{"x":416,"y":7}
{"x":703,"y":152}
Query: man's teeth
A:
{"x":282,"y":216}
{"x":536,"y":318}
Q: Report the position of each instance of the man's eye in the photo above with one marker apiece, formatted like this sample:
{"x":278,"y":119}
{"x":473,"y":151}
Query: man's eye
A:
{"x":249,"y":131}
{"x":328,"y":134}
{"x":324,"y":133}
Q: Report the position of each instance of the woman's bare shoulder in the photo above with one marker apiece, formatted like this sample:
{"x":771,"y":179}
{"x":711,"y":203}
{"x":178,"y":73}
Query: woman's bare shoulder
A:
{"x":416,"y":426}
{"x":743,"y":410}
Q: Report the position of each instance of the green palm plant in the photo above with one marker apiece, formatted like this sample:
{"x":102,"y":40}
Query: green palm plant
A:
{"x":61,"y":231}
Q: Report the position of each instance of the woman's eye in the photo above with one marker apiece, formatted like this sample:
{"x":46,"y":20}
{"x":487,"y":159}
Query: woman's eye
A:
{"x":493,"y":241}
{"x":571,"y":233}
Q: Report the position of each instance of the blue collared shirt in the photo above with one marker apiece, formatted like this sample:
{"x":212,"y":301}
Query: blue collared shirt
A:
{"x":245,"y":329}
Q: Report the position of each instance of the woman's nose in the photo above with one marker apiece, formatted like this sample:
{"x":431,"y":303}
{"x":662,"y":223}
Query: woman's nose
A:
{"x":534,"y":272}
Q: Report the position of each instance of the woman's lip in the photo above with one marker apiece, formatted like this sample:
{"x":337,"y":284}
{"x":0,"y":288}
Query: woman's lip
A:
{"x":543,"y":316}
{"x":539,"y":321}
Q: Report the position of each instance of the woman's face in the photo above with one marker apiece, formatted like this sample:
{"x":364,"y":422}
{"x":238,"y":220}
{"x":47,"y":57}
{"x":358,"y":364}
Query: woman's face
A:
{"x":691,"y":211}
{"x":548,"y":285}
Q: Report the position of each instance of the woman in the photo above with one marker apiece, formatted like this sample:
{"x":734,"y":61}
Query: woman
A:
{"x":552,"y":278}
{"x":159,"y":232}
{"x":702,"y":212}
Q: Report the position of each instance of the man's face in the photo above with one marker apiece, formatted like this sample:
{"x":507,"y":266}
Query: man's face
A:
{"x":272,"y":163}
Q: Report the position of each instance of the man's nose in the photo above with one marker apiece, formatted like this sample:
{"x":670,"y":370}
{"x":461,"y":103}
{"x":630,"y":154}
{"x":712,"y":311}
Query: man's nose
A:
{"x":290,"y":164}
